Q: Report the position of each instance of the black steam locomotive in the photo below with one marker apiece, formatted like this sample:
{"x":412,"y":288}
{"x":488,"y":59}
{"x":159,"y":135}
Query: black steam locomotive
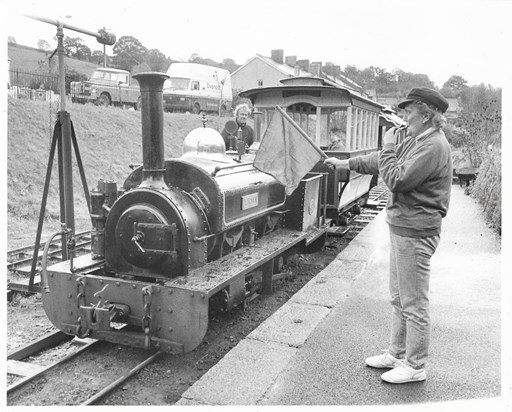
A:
{"x":181,"y":238}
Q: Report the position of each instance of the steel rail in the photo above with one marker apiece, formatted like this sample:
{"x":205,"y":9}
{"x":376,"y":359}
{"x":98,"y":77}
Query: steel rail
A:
{"x":29,"y":249}
{"x":49,"y":340}
{"x":120,"y":380}
{"x":66,"y":358}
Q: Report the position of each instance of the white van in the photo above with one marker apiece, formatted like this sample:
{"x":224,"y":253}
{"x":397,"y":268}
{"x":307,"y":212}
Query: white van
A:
{"x":196,"y":87}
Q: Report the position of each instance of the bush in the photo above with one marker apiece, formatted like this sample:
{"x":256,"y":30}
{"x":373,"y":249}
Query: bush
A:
{"x":487,"y":189}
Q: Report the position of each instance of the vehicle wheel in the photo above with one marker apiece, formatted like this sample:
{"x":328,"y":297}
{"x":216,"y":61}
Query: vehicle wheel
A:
{"x":343,"y":220}
{"x":356,"y":210}
{"x":138,"y":105}
{"x":103,"y":100}
{"x":196,"y":109}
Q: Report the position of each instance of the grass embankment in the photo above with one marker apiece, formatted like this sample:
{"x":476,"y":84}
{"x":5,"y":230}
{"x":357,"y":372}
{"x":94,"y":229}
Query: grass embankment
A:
{"x":30,"y":58}
{"x":109,"y":139}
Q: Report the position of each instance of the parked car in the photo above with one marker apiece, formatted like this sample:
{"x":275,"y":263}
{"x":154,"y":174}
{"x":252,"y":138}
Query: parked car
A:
{"x":196,"y":87}
{"x":107,"y":87}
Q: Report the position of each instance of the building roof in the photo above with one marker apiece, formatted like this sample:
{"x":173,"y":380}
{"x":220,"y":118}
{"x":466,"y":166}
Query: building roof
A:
{"x":283,"y":68}
{"x":290,"y":71}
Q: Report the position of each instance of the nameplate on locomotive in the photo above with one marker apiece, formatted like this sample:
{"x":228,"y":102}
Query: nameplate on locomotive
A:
{"x":249,"y":201}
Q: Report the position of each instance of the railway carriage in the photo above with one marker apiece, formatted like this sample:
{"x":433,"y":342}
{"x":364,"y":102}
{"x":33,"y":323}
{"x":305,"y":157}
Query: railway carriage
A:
{"x":317,"y":106}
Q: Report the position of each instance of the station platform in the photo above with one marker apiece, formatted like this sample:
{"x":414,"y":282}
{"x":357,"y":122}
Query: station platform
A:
{"x":312,"y":350}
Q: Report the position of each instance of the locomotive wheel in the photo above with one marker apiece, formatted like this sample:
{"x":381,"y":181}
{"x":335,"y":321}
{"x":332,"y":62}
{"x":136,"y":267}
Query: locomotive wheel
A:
{"x":356,"y":210}
{"x":343,"y":220}
{"x":103,"y":100}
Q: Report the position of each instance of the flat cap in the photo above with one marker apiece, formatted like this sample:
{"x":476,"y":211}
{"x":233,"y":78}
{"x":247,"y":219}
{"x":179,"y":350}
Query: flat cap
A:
{"x":428,"y":96}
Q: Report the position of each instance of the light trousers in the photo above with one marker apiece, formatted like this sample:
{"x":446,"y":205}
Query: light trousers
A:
{"x":409,"y":288}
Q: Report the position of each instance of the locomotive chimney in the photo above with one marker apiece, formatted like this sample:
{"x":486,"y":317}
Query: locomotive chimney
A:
{"x":152,"y":118}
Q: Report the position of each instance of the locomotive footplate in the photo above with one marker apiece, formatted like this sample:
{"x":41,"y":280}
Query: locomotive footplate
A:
{"x":215,"y":276}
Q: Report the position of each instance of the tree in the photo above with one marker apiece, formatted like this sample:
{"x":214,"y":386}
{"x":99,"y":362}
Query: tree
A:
{"x":195,"y":58}
{"x":456,"y":82}
{"x":75,"y":47}
{"x":97,"y":57}
{"x":157,"y":61}
{"x":481,"y":121}
{"x":229,"y":65}
{"x":454,"y":86}
{"x":128,"y":52}
{"x":43,"y":45}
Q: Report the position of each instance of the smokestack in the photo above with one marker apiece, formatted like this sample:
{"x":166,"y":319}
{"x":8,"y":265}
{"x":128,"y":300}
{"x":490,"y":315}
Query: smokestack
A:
{"x":277,"y":55}
{"x":152,"y":119}
{"x":291,"y":60}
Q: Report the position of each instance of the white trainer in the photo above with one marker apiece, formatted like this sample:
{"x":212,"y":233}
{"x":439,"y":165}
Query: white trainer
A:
{"x":382,"y":361}
{"x":403,"y":373}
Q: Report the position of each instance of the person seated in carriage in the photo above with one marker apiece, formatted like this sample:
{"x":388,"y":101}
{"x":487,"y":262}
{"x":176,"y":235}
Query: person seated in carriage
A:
{"x":337,"y":139}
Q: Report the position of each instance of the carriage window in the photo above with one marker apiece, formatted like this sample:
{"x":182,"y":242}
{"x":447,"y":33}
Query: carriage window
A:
{"x":336,"y":120}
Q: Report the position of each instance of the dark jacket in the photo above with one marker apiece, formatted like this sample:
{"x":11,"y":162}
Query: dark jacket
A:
{"x":231,"y":130}
{"x":418,"y":174}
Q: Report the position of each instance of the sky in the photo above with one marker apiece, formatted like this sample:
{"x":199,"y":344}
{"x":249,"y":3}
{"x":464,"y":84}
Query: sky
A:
{"x":436,"y":38}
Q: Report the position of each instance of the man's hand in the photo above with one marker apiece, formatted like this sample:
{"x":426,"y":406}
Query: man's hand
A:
{"x":335,"y":163}
{"x":390,"y":136}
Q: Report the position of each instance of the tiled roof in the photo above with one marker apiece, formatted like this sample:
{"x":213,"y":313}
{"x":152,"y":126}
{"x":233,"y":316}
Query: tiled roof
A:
{"x":290,"y":71}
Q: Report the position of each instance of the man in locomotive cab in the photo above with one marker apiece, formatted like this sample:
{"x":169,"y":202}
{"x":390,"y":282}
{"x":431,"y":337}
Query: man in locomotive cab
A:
{"x":338,"y":139}
{"x":418,"y":174}
{"x":238,"y":129}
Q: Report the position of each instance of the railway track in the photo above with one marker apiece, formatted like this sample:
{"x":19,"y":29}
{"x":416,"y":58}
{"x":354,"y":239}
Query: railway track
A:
{"x":74,"y":356}
{"x":19,"y":261}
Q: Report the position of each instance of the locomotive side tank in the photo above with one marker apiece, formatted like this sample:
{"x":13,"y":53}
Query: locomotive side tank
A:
{"x":182,"y":238}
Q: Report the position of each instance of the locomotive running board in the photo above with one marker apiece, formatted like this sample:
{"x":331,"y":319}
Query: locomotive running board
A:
{"x":214,"y":276}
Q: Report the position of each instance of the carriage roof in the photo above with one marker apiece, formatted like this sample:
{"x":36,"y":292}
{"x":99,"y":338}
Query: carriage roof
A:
{"x":317,"y":91}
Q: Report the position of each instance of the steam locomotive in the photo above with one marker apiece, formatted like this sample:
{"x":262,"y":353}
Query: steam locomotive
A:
{"x":182,"y":238}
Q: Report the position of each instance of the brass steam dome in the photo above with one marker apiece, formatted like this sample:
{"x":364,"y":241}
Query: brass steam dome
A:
{"x":204,"y":142}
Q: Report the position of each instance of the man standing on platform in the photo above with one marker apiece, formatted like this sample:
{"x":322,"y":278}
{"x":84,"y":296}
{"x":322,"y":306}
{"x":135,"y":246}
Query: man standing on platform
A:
{"x":418,"y":174}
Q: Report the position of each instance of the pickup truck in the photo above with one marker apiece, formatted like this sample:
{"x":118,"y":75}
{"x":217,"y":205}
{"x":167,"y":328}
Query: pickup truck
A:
{"x":107,"y":87}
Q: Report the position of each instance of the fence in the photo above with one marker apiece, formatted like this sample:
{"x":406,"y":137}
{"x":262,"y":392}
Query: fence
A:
{"x":35,"y":85}
{"x":26,"y":84}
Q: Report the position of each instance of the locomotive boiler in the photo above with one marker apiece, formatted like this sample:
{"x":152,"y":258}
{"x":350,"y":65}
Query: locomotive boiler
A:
{"x":181,"y":238}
